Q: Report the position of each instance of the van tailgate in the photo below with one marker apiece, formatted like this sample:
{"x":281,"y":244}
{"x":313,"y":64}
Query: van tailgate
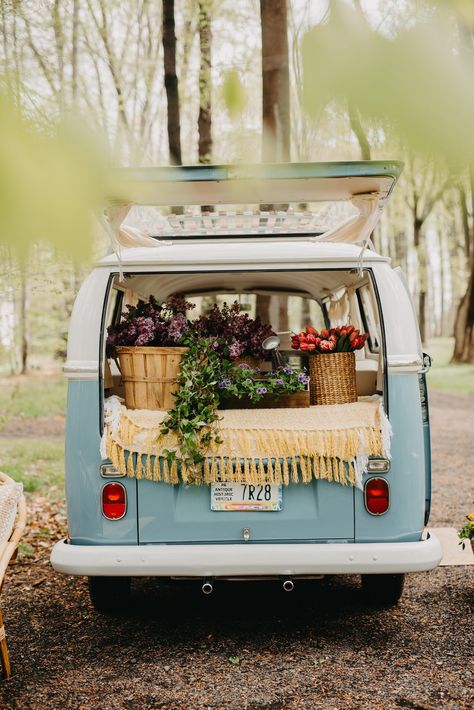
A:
{"x":319,"y":510}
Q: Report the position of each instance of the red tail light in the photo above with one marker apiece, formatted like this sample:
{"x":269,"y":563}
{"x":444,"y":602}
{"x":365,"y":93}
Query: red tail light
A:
{"x":377,"y":496}
{"x":114,"y":501}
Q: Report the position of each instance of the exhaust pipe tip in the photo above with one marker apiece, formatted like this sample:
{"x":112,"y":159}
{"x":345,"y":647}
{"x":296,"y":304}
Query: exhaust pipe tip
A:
{"x":207,"y":587}
{"x":288,"y":585}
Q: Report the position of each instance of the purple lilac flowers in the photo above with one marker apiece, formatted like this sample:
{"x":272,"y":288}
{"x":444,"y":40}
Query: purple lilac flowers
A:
{"x":150,"y":323}
{"x":237,"y":333}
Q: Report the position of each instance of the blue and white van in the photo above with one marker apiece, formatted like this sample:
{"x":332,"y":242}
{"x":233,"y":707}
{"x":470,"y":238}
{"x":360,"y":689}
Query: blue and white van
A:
{"x":293,"y":239}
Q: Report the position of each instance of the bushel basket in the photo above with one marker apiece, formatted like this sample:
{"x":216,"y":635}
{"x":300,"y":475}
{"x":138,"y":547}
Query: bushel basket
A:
{"x":149,"y":376}
{"x":332,"y":378}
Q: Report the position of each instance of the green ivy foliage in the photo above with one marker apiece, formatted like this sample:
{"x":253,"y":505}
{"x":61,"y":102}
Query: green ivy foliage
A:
{"x":194,"y":416}
{"x":205,"y":378}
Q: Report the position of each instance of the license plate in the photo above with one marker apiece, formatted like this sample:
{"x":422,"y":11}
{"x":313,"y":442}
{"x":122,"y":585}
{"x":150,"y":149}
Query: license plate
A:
{"x":245,"y":496}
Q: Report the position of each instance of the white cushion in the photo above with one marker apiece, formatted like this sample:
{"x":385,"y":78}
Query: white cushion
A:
{"x":10,"y":494}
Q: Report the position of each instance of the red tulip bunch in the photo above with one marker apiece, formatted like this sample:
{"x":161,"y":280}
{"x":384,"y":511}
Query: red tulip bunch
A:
{"x":342,"y":339}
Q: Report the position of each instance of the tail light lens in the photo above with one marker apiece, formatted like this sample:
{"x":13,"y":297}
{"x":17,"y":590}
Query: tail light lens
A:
{"x":114,"y":501}
{"x":377,"y":496}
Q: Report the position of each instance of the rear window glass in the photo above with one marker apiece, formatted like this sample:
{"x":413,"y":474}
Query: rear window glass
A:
{"x":369,"y":320}
{"x":284,"y":313}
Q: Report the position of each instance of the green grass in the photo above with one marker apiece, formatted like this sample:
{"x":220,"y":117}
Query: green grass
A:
{"x":444,"y":375}
{"x":37,"y":463}
{"x":32,"y":396}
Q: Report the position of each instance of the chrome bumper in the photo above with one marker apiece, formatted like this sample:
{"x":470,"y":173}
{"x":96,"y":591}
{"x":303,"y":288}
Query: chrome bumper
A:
{"x":246,"y":559}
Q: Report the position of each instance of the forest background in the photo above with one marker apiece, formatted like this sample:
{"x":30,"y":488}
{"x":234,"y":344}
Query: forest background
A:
{"x":218,"y":81}
{"x":88,"y":84}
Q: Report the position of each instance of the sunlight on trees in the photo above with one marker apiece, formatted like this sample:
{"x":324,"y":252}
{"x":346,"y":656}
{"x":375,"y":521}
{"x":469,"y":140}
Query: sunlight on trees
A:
{"x":420,"y":82}
{"x":53,"y":178}
{"x":367,"y":78}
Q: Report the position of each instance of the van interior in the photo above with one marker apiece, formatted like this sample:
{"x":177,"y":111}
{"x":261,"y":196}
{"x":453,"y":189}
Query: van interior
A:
{"x":287,"y":300}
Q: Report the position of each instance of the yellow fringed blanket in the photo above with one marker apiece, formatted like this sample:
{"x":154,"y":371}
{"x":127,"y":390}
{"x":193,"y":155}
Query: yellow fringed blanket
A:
{"x":259,"y":445}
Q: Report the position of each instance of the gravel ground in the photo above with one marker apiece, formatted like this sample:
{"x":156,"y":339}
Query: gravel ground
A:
{"x":452,"y":445}
{"x":251,"y":645}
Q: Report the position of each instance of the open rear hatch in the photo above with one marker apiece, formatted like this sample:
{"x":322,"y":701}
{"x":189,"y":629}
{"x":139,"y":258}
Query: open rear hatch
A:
{"x":339,"y":202}
{"x":260,"y":202}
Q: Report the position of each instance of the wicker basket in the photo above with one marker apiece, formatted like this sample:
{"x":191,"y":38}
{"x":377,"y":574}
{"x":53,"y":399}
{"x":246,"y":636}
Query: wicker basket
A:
{"x":332,"y":378}
{"x":149,"y":376}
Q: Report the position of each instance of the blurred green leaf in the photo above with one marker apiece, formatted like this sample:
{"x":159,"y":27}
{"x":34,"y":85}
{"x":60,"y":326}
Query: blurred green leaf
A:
{"x":420,"y":82}
{"x":52,"y":178}
{"x":233,"y":93}
{"x":464,"y":8}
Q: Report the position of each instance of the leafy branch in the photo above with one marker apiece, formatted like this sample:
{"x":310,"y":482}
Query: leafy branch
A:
{"x":194,"y":416}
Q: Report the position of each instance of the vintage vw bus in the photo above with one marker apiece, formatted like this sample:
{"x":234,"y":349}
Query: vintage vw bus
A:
{"x":294,"y":238}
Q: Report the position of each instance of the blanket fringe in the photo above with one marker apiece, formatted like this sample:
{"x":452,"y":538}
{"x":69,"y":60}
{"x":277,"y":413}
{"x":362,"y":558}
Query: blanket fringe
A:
{"x":278,"y":456}
{"x":296,"y":469}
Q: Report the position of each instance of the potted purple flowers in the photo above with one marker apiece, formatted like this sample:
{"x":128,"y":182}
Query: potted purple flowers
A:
{"x":147,"y":344}
{"x":237,"y":336}
{"x":243,"y":387}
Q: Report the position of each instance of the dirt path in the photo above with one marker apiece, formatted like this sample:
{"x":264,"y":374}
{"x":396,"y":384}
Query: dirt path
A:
{"x":252,"y":646}
{"x":452,"y":444}
{"x":33,"y":427}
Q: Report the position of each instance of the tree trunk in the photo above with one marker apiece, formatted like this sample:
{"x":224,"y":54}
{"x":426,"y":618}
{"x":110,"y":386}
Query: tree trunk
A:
{"x":464,"y":323}
{"x":471,"y":189}
{"x":205,"y":84}
{"x":275,"y":82}
{"x":464,"y":326}
{"x":356,"y":127}
{"x":354,"y":116}
{"x":23,"y":323}
{"x":283,"y":319}
{"x":74,"y":49}
{"x":442,"y":276}
{"x":263,"y":308}
{"x":171,"y":82}
{"x":465,"y":220}
{"x":420,"y":247}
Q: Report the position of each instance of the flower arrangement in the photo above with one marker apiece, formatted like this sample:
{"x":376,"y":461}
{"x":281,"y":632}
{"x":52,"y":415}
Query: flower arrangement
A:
{"x":342,"y":339}
{"x":150,"y":323}
{"x":245,"y":381}
{"x":234,"y":334}
{"x":205,"y":379}
{"x":467,"y":531}
{"x":194,"y":416}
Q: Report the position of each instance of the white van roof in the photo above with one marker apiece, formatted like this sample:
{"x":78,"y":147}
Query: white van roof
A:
{"x":235,"y":255}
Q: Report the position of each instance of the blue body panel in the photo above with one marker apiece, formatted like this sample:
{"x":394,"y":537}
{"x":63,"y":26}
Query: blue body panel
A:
{"x":320,"y":511}
{"x":87,"y":525}
{"x":427,"y":440}
{"x":183,"y":514}
{"x":403,"y":522}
